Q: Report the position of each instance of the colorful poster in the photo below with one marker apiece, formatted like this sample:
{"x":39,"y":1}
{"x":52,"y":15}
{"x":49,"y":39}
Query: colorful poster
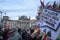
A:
{"x":51,"y":18}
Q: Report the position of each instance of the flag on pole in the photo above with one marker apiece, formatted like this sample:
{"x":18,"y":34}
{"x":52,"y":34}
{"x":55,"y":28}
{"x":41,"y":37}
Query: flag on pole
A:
{"x":44,"y":37}
{"x":59,"y":7}
{"x":54,"y":5}
{"x":42,"y":4}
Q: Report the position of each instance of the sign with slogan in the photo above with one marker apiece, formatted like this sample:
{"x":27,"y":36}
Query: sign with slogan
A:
{"x":51,"y":18}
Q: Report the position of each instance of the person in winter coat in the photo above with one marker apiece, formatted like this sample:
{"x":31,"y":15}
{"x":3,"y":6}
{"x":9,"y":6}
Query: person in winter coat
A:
{"x":19,"y":31}
{"x":6,"y":34}
{"x":15,"y":35}
{"x":1,"y":34}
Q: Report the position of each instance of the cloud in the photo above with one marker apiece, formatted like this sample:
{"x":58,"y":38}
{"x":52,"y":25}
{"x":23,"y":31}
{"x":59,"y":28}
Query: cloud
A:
{"x":15,"y":8}
{"x":14,"y":18}
{"x":19,"y":10}
{"x":32,"y":18}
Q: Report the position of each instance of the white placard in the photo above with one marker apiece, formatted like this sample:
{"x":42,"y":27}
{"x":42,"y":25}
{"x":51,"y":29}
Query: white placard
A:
{"x":51,"y":18}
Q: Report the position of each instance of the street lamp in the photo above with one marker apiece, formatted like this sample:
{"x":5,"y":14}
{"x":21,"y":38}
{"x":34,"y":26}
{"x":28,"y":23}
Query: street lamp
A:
{"x":1,"y":19}
{"x":1,"y":16}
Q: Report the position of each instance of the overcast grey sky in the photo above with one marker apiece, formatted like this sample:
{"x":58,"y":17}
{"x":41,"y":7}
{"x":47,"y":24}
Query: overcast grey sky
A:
{"x":16,"y":8}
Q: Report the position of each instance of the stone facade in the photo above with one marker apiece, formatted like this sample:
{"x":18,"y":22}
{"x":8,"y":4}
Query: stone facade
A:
{"x":23,"y":22}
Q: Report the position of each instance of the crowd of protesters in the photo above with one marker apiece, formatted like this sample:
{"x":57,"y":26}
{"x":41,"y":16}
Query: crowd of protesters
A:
{"x":16,"y":33}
